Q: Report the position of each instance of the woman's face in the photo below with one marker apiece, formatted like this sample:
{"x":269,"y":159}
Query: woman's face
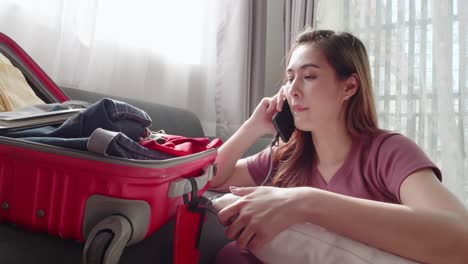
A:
{"x":313,"y":90}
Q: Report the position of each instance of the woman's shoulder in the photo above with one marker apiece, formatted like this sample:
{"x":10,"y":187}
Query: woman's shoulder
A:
{"x":385,"y":138}
{"x":388,"y":142}
{"x":388,"y":145}
{"x":395,"y":154}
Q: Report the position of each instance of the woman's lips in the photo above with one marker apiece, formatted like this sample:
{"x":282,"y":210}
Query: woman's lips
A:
{"x":298,"y":108}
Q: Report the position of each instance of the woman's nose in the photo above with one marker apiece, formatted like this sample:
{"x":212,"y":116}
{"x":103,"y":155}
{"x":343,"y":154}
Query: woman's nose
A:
{"x":294,"y":89}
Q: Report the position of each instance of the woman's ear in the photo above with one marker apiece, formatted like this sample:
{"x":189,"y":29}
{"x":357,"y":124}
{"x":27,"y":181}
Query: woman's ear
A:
{"x":351,"y":86}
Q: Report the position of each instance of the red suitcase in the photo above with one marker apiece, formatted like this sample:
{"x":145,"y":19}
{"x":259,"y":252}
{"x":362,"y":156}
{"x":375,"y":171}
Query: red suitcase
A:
{"x":79,"y":195}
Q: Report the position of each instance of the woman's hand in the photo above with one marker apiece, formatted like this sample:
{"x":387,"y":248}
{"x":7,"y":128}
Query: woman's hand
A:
{"x":263,"y":113}
{"x":262,"y":213}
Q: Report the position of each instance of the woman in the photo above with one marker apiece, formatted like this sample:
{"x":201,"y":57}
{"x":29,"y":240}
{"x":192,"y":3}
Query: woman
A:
{"x":339,"y":170}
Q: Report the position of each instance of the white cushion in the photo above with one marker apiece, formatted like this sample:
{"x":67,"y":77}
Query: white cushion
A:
{"x":308,"y":243}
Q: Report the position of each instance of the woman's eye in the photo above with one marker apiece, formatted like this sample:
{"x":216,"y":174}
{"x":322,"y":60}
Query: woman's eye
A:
{"x":310,"y":77}
{"x":290,"y":80}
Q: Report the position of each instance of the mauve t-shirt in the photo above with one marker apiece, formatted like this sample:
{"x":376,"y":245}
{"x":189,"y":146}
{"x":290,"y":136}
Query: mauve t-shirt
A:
{"x":374,"y":169}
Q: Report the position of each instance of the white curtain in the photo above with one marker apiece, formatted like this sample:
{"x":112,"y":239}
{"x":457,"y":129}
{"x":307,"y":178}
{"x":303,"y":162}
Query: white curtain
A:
{"x":298,"y":15}
{"x":240,"y":69}
{"x":419,"y":57}
{"x":169,"y":52}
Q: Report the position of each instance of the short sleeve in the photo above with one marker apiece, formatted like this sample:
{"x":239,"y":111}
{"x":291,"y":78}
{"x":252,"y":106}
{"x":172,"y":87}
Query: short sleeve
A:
{"x":399,"y":157}
{"x":259,"y":165}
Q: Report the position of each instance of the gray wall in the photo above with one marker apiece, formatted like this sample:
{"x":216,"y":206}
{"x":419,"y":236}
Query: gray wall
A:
{"x":274,"y":47}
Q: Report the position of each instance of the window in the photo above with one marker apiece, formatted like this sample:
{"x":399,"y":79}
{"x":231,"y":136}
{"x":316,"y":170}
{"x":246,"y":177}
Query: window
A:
{"x":399,"y":39}
{"x":418,"y":50}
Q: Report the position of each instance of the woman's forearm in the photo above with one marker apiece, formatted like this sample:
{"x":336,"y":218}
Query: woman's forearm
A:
{"x":232,"y":150}
{"x":422,"y":235}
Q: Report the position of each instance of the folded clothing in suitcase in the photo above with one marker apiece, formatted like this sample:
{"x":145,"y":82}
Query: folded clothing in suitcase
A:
{"x":22,"y":94}
{"x":109,"y":201}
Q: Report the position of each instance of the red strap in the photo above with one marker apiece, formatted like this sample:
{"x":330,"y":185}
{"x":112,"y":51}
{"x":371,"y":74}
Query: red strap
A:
{"x":188,"y":227}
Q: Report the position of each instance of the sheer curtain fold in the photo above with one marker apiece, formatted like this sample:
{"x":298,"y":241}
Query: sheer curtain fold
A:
{"x":298,"y":14}
{"x":453,"y":156}
{"x":418,"y":54}
{"x":240,"y":70}
{"x":204,"y":56}
{"x":258,"y":17}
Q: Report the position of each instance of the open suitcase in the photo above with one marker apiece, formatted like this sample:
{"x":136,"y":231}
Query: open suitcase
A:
{"x":107,"y":202}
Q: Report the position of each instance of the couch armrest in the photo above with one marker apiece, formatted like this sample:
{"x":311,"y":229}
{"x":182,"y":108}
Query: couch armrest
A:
{"x":258,"y":146}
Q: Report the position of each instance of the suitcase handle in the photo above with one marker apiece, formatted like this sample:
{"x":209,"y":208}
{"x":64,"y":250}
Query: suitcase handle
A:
{"x":183,"y":186}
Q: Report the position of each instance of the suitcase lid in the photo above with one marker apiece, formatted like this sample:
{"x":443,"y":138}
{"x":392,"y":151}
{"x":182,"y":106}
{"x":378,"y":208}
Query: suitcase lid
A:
{"x":36,"y":77}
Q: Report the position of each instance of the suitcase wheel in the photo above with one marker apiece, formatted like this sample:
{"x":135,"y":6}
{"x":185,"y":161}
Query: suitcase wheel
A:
{"x":98,"y":247}
{"x":107,"y":240}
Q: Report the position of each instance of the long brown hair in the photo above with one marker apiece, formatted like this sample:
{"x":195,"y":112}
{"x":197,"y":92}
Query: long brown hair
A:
{"x":347,"y":55}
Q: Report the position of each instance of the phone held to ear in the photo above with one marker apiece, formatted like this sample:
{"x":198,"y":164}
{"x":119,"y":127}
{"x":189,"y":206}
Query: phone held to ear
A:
{"x":284,"y":122}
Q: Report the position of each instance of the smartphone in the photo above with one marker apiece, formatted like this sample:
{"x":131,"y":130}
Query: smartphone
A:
{"x":284,"y":122}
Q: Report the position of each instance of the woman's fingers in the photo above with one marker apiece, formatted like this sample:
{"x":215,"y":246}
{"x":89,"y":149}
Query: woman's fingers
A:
{"x":280,"y":99}
{"x":257,"y":241}
{"x":246,"y":236}
{"x":227,"y":215}
{"x":272,"y":105}
{"x":235,"y":229}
